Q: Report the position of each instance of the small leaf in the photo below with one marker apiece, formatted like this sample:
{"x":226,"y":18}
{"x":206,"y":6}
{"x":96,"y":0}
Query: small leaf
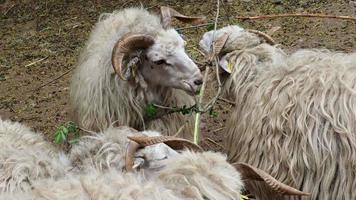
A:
{"x":74,"y":141}
{"x":57,"y":138}
{"x":151,"y":111}
{"x":210,"y":27}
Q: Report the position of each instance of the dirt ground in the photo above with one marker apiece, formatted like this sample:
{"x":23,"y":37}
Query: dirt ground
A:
{"x":40,"y":42}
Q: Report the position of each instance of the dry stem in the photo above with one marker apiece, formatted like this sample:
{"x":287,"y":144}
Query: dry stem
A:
{"x":297,"y":15}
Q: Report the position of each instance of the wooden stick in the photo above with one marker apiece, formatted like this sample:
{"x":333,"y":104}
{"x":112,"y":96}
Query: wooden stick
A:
{"x":297,"y":15}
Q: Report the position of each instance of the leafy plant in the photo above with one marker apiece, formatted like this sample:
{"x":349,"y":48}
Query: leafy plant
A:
{"x":151,"y":110}
{"x":63,"y":131}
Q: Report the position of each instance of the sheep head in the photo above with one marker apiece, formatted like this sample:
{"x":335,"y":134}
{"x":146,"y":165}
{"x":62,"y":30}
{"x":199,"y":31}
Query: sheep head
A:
{"x":231,"y":38}
{"x":164,"y":61}
{"x":170,"y":144}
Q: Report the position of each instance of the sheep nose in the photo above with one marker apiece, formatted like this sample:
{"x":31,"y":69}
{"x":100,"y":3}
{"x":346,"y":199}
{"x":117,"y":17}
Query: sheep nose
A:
{"x":198,"y":81}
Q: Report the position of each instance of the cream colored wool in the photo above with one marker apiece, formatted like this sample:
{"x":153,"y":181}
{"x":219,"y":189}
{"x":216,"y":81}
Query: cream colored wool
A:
{"x":295,"y":117}
{"x":99,"y":98}
{"x":25,"y":157}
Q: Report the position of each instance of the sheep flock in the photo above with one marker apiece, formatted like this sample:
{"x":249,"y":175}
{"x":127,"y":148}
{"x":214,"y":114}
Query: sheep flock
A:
{"x":291,"y":133}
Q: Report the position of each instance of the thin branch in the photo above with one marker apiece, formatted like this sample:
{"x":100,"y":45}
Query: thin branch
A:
{"x":353,"y":18}
{"x":297,"y":15}
{"x":180,"y":130}
{"x":195,"y":26}
{"x":36,"y":61}
{"x":227,"y":101}
{"x":212,"y":141}
{"x":53,"y":80}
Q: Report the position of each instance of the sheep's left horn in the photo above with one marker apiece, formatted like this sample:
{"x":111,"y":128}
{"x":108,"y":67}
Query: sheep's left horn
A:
{"x":263,"y":35}
{"x":252,"y":173}
{"x":167,"y":13}
{"x":125,"y":45}
{"x":173,"y":142}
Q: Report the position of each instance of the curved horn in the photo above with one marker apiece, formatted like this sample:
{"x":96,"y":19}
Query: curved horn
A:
{"x":131,"y":149}
{"x":125,"y":45}
{"x":252,"y":173}
{"x":173,"y":142}
{"x":167,"y":13}
{"x":263,"y":35}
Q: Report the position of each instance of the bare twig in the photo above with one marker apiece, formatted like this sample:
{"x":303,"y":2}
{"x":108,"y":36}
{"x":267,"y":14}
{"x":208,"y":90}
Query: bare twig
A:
{"x":8,"y":10}
{"x":227,"y":101}
{"x":212,"y":141}
{"x":218,"y":129}
{"x":53,"y":80}
{"x":297,"y":15}
{"x":36,"y":61}
{"x":199,"y":51}
{"x":163,"y":107}
{"x":195,"y":26}
{"x":180,"y":130}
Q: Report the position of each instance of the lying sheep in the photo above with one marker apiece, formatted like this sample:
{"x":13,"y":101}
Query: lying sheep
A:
{"x":25,"y":157}
{"x":163,"y":174}
{"x":152,"y":67}
{"x":295,"y":115}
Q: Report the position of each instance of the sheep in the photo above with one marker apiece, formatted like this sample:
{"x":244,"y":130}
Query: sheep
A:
{"x":25,"y":156}
{"x":189,"y":175}
{"x":152,"y":67}
{"x":295,"y":113}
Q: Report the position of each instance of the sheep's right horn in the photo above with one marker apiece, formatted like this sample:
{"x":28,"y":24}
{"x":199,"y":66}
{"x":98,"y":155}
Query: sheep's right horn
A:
{"x":252,"y":173}
{"x":173,"y":142}
{"x":125,"y":45}
{"x":263,"y":35}
{"x":167,"y":13}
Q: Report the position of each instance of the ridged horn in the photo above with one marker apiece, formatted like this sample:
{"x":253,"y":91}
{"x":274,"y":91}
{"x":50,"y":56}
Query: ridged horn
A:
{"x":249,"y":172}
{"x":173,"y":142}
{"x":126,"y":44}
{"x":131,"y":149}
{"x":263,"y":35}
{"x":167,"y":13}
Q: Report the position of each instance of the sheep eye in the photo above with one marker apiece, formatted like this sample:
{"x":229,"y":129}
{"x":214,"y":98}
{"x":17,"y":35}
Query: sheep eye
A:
{"x":159,"y":62}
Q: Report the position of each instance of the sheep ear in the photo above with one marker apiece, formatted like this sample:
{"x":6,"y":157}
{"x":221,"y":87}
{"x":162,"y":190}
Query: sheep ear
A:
{"x":251,"y":173}
{"x":167,"y":13}
{"x":225,"y":64}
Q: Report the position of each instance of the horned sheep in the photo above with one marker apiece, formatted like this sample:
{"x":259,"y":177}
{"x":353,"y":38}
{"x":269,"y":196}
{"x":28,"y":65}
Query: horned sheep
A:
{"x":152,"y":67}
{"x":158,"y":171}
{"x":294,"y":114}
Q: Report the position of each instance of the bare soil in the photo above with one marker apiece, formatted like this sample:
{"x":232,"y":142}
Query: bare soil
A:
{"x":40,"y":42}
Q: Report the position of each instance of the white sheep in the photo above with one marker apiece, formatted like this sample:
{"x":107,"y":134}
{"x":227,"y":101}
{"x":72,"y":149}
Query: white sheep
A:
{"x":152,"y":66}
{"x":98,"y":162}
{"x":295,"y":115}
{"x":25,"y":157}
